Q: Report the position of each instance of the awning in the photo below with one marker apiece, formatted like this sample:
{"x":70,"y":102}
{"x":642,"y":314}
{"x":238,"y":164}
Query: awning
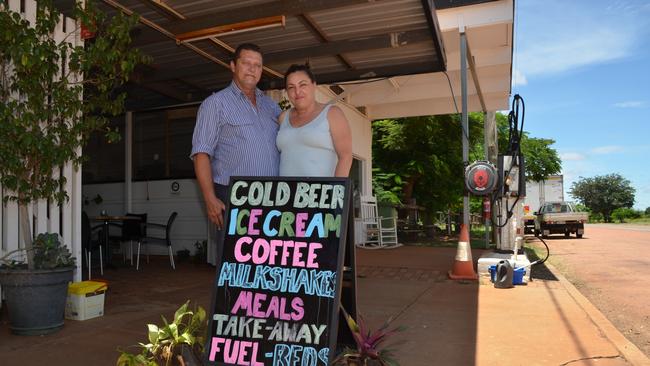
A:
{"x":405,"y":46}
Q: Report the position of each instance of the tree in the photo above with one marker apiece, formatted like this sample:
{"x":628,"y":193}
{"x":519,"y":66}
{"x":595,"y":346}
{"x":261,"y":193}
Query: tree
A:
{"x":604,"y":193}
{"x":421,"y":157}
{"x":58,"y":107}
{"x":540,"y":158}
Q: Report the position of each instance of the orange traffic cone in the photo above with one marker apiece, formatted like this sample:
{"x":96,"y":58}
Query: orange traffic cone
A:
{"x":463,"y":267}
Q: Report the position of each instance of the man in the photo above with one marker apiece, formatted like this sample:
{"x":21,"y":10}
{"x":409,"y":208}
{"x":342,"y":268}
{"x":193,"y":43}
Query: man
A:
{"x":235,"y":133}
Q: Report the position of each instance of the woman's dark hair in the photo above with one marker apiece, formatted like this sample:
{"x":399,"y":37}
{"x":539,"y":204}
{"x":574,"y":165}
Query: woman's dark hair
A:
{"x":296,"y":68}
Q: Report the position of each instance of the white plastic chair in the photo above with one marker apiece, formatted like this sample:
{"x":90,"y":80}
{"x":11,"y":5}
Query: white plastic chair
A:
{"x":380,"y":232}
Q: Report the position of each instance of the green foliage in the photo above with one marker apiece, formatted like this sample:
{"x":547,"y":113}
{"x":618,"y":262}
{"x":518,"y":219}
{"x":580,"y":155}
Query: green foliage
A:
{"x":370,"y":344}
{"x":425,"y":153}
{"x":98,"y":199}
{"x":596,"y":217}
{"x":200,"y":251}
{"x":541,"y":159}
{"x":387,"y":186}
{"x":49,"y":253}
{"x":53,"y":95}
{"x":58,"y":106}
{"x":284,"y":104}
{"x":604,"y":193}
{"x":187,"y":329}
{"x":647,"y":211}
{"x":624,"y":213}
{"x":581,"y":208}
{"x":421,"y":158}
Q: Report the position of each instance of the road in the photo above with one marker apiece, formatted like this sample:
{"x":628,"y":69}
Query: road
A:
{"x":610,"y":265}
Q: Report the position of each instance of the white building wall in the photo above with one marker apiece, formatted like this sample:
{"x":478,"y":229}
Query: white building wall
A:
{"x":156,"y":199}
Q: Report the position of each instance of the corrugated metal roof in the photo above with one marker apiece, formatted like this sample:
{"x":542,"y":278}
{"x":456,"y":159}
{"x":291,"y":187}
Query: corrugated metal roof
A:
{"x":310,"y":27}
{"x":364,"y":20}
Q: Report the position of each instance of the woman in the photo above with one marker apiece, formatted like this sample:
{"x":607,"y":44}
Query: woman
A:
{"x":314,"y":138}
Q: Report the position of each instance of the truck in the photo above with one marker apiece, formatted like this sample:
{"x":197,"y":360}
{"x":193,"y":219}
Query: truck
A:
{"x":560,"y":218}
{"x":537,"y":193}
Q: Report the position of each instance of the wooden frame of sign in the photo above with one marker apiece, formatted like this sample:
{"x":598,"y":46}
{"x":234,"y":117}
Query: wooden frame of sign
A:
{"x":279,"y":273}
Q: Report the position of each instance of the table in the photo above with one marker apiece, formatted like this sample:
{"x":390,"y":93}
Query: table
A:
{"x":106,"y":220}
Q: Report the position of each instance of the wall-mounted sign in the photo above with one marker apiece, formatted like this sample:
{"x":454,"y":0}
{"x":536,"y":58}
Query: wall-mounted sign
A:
{"x":278,"y":282}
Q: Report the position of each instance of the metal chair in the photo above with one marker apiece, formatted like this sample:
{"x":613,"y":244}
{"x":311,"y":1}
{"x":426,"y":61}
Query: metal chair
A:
{"x":379,"y":232}
{"x":158,"y":240}
{"x":133,"y":230}
{"x":88,"y":245}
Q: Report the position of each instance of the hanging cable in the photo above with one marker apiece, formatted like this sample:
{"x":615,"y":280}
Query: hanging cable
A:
{"x":453,"y":97}
{"x":515,"y":133}
{"x":548,"y":253}
{"x":516,"y":128}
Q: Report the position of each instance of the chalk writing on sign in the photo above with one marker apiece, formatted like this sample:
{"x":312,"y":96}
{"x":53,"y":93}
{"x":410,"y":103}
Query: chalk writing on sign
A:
{"x":278,"y":274}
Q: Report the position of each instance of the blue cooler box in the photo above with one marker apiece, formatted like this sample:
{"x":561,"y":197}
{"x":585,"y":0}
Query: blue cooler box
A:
{"x":517,"y":275}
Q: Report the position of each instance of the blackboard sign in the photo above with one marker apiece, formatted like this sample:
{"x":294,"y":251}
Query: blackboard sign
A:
{"x":278,"y":282}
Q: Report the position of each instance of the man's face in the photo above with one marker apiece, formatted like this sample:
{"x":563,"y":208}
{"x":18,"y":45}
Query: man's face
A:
{"x":247,"y":69}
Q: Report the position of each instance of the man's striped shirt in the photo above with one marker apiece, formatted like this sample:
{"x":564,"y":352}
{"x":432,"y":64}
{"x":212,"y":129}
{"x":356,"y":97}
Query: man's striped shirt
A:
{"x":238,"y":137}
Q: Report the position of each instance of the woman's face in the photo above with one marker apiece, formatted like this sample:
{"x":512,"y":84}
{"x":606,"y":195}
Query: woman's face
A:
{"x":300,"y":89}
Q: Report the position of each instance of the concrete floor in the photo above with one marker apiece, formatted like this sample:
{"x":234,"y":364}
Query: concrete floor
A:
{"x":448,"y":322}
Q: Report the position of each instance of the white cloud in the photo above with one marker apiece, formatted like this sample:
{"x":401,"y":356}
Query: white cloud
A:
{"x":609,"y":149}
{"x":519,"y":79}
{"x":556,"y":36}
{"x":630,"y":104}
{"x":572,"y":50}
{"x":571,"y":156}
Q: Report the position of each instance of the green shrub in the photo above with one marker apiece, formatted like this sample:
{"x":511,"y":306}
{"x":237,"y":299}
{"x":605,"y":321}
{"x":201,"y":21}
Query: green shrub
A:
{"x":625,"y":213}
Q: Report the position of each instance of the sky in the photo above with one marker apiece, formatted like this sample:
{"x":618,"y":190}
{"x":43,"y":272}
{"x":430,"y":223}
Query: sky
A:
{"x":583,"y":70}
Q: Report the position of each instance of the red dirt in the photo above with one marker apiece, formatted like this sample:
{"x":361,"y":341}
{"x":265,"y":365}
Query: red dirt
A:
{"x":611,"y":267}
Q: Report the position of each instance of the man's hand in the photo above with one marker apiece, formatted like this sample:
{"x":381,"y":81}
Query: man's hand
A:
{"x":215,"y":209}
{"x":213,"y":205}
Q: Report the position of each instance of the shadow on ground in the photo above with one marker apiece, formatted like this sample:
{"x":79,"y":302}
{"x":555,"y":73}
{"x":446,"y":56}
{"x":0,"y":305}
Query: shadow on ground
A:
{"x":409,"y":284}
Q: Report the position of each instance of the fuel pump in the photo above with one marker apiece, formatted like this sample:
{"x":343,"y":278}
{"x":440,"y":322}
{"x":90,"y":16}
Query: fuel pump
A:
{"x":509,"y":203}
{"x":511,"y":190}
{"x":505,"y":204}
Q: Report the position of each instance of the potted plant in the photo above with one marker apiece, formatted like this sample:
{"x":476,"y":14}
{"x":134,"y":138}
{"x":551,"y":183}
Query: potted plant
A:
{"x":200,"y":251}
{"x":371,"y":349}
{"x":177,"y":343}
{"x":37,"y":298}
{"x":47,"y":112}
{"x":98,"y":199}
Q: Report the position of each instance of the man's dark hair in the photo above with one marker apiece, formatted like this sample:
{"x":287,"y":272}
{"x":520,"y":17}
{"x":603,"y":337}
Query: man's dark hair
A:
{"x":245,"y":46}
{"x":295,"y":68}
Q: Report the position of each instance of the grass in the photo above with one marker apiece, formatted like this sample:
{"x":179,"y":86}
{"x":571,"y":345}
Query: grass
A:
{"x":639,"y":221}
{"x":536,"y":250}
